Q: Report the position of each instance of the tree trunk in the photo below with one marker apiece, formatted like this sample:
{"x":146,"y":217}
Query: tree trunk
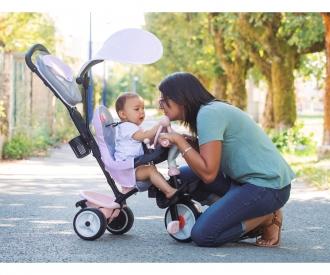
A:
{"x":284,"y":101}
{"x":264,"y":66}
{"x":268,"y":114}
{"x":220,"y":87}
{"x":236,"y":93}
{"x":326,"y":125}
{"x":5,"y":87}
{"x":205,"y":81}
{"x":324,"y":150}
{"x":235,"y":67}
{"x":281,"y":59}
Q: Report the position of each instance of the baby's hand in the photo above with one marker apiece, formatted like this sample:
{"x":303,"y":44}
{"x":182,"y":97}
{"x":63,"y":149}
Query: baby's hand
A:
{"x":146,"y":141}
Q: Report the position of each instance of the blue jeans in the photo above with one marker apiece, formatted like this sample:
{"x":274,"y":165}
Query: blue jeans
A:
{"x":222,"y":222}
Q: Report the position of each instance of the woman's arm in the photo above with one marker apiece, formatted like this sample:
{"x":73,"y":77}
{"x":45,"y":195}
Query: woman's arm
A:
{"x":205,"y":163}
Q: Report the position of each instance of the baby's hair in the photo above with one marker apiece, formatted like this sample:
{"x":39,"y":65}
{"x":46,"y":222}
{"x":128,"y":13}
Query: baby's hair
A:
{"x":121,"y":100}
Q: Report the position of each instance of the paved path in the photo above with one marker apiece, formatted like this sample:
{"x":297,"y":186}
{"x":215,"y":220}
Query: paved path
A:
{"x":37,"y":198}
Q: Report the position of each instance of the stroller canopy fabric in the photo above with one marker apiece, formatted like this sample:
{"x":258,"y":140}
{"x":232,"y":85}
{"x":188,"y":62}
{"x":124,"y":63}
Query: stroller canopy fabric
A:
{"x":60,"y":77}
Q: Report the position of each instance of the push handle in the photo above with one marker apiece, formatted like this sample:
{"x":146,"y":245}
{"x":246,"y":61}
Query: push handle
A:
{"x":30,"y":53}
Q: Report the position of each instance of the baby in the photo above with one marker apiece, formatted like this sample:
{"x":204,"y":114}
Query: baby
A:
{"x":128,"y":143}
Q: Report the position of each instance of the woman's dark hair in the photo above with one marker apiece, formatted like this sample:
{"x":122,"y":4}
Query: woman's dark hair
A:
{"x":186,"y":90}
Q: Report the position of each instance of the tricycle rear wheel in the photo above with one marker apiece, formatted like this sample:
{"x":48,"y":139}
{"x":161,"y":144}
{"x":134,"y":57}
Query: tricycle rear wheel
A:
{"x":89,"y":224}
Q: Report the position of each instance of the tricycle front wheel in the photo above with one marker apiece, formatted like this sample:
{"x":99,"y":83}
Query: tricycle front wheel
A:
{"x":188,"y":214}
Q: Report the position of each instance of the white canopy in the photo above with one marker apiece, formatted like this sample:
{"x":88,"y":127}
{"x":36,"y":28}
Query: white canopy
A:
{"x":131,"y":46}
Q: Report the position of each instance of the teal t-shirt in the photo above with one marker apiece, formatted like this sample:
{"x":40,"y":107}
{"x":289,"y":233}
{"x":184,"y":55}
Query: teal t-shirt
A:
{"x":248,"y":154}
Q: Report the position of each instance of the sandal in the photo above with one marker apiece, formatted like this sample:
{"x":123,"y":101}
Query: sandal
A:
{"x":277,"y":222}
{"x":163,"y":202}
{"x":255,"y":233}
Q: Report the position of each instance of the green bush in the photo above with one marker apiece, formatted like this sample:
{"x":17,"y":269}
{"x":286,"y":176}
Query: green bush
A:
{"x":65,"y":133}
{"x":3,"y":116}
{"x":36,"y":140}
{"x":294,"y":140}
{"x":41,"y":139}
{"x":18,"y":147}
{"x":23,"y":145}
{"x":64,"y":128}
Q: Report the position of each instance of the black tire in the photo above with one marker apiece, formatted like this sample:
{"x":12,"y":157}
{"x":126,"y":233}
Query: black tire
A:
{"x":89,"y":224}
{"x":123,"y":223}
{"x":189,"y":213}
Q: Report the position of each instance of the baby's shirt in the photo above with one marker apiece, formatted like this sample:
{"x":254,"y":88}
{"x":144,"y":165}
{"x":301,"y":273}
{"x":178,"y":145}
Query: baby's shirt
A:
{"x":125,"y":146}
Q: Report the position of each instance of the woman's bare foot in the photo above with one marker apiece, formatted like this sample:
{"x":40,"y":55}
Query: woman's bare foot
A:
{"x":271,"y":231}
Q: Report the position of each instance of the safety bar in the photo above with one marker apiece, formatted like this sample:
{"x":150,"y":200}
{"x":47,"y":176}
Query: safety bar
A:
{"x":85,"y":68}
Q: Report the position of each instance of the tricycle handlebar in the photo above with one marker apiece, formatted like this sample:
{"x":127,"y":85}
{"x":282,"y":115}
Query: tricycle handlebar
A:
{"x":29,"y":54}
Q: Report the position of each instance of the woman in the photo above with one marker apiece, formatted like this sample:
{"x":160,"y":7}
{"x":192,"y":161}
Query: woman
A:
{"x":235,"y":160}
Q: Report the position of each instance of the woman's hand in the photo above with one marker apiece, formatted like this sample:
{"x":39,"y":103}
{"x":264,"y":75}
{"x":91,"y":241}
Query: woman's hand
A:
{"x":172,"y":137}
{"x":204,"y":160}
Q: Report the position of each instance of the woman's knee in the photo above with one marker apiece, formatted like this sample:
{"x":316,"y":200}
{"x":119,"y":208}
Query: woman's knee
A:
{"x":200,"y":237}
{"x":197,"y":236}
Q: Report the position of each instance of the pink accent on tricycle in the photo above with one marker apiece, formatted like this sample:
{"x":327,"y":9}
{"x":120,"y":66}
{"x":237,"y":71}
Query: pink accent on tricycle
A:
{"x":100,"y":200}
{"x":173,"y":227}
{"x":109,"y":213}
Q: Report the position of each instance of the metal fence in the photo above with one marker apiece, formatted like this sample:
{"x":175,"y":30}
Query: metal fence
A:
{"x":27,"y":101}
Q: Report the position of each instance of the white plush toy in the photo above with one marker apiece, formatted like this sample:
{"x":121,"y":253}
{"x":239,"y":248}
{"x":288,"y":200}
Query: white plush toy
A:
{"x":165,"y":126}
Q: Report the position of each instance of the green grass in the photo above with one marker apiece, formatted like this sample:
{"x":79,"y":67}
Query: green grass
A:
{"x":310,"y":170}
{"x":313,"y":117}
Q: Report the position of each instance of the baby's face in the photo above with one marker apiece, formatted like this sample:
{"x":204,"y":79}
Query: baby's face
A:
{"x":133,"y":110}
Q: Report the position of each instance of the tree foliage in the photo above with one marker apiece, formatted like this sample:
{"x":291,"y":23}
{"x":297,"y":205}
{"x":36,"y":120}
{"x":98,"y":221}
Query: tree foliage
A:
{"x":231,"y":55}
{"x":187,"y":44}
{"x":276,"y":42}
{"x":18,"y":31}
{"x":220,"y":48}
